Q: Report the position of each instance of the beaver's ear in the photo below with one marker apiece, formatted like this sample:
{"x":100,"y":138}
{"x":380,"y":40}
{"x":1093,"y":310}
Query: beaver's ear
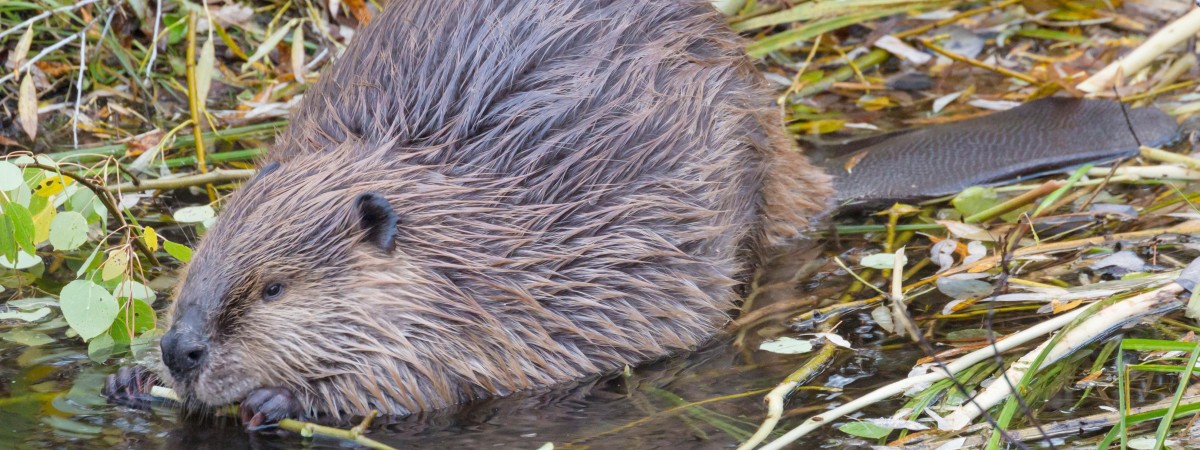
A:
{"x":378,"y":219}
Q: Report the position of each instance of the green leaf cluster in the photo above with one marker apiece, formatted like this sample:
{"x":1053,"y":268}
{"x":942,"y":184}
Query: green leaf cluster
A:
{"x":51,"y":224}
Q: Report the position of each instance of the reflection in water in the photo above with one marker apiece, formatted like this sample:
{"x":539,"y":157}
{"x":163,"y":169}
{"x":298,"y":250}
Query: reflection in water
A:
{"x":53,"y":398}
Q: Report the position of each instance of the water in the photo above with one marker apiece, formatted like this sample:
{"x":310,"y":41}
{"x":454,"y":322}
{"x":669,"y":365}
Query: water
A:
{"x":50,"y":397}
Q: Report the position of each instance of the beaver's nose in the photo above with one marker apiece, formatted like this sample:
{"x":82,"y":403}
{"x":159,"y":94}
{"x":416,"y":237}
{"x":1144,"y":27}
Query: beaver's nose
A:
{"x":182,"y":352}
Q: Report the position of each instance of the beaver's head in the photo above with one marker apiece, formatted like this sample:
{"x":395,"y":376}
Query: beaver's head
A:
{"x":265,"y":302}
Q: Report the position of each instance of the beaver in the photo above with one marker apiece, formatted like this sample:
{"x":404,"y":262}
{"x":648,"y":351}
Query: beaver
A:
{"x":482,"y":197}
{"x":487,"y":196}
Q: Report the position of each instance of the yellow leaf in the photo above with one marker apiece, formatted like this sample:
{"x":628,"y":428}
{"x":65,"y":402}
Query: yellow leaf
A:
{"x":151,"y":238}
{"x":27,"y":106}
{"x":1063,"y":307}
{"x":874,"y":103}
{"x":115,"y":265}
{"x":298,"y":54}
{"x":52,"y":185}
{"x":41,"y":224}
{"x":822,"y":126}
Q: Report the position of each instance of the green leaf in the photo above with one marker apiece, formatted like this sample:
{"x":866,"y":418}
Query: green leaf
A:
{"x":179,"y":251}
{"x":22,"y":223}
{"x":761,"y":47}
{"x":88,"y":308}
{"x":26,"y":337}
{"x":10,"y":176}
{"x":8,"y":240}
{"x":135,"y":314}
{"x":879,"y":261}
{"x":83,"y":201}
{"x":194,"y":214}
{"x":24,"y":261}
{"x":865,"y":430}
{"x":37,"y":204}
{"x":31,"y":316}
{"x":145,"y":345}
{"x":68,"y":231}
{"x":786,"y":346}
{"x":87,"y":263}
{"x":133,"y":289}
{"x":975,"y":199}
{"x":71,"y":426}
{"x":101,"y":348}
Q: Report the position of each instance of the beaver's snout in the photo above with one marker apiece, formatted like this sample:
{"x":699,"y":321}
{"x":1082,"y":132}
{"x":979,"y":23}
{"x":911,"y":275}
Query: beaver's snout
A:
{"x":183,"y":350}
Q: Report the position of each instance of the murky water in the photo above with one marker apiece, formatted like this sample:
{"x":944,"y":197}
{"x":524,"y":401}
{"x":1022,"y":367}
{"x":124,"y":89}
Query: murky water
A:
{"x":712,"y":398}
{"x":50,"y":396}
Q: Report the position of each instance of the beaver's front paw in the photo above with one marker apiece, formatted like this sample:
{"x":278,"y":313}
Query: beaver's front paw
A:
{"x":130,"y":386}
{"x":269,"y":405}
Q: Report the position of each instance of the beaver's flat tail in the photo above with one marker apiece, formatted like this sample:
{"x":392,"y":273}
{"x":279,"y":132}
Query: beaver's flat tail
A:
{"x":1038,"y":137}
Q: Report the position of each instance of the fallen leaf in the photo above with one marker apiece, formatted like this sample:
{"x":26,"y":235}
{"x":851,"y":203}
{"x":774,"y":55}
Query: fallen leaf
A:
{"x":786,"y":346}
{"x":204,"y":70}
{"x":27,"y":106}
{"x":298,"y":54}
{"x":17,"y":57}
{"x":269,"y":44}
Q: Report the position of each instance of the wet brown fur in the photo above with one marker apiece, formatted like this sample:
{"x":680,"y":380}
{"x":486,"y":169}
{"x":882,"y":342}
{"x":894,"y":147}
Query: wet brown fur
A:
{"x":578,"y":185}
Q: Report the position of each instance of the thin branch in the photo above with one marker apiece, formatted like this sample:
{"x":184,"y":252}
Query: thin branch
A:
{"x":154,"y":39}
{"x":777,"y":396}
{"x":980,"y":64}
{"x":305,"y":429}
{"x":46,"y":51}
{"x":1171,"y":35}
{"x":215,"y":176}
{"x":45,"y":14}
{"x":195,"y":104}
{"x":107,"y":199}
{"x":940,"y":373}
{"x":1155,"y":302}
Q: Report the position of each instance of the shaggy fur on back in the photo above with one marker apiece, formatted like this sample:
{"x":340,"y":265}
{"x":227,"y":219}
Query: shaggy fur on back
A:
{"x":578,"y":184}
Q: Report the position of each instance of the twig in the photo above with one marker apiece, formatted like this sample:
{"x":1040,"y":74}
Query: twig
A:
{"x":194,"y":104}
{"x":305,"y":429}
{"x":79,"y":89}
{"x":107,"y":199}
{"x":100,"y":152}
{"x":777,"y":396}
{"x":215,"y":176}
{"x":1069,"y":427}
{"x":1122,"y":313}
{"x":980,"y":64}
{"x":46,"y":51}
{"x":668,"y":413}
{"x":154,"y":39}
{"x":1008,"y":343}
{"x":954,"y":19}
{"x":755,"y":315}
{"x":1160,"y":172}
{"x":83,"y":69}
{"x":1015,"y":202}
{"x":1169,"y":157}
{"x":308,"y":430}
{"x":991,"y":261}
{"x":1170,"y":36}
{"x":45,"y":14}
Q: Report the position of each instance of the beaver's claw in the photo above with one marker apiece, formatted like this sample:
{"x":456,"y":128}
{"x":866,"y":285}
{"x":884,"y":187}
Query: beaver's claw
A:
{"x":130,"y":386}
{"x":269,"y":405}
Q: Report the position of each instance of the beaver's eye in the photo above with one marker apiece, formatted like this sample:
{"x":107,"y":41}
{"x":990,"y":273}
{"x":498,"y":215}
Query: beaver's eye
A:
{"x":272,"y":291}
